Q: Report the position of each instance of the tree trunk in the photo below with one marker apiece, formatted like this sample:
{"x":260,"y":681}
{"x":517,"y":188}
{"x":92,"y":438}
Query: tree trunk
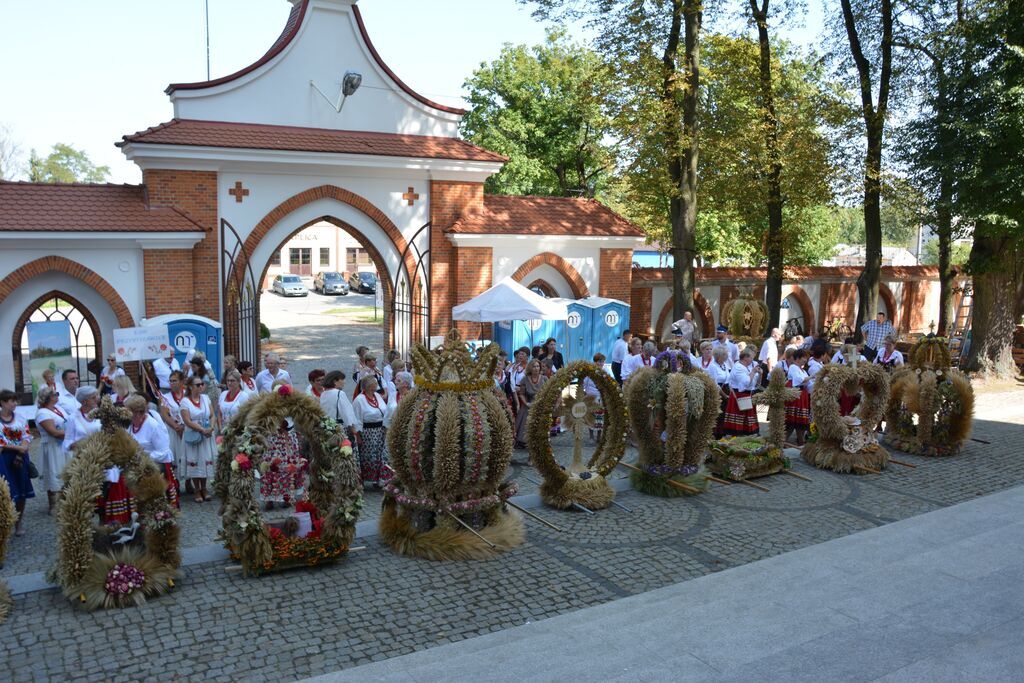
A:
{"x":682,"y":144}
{"x":774,"y":248}
{"x":944,"y":232}
{"x":993,"y":266}
{"x":871,"y":276}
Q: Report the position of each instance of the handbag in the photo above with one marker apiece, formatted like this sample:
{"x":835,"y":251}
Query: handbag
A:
{"x":744,"y":403}
{"x":191,"y":436}
{"x":33,"y":471}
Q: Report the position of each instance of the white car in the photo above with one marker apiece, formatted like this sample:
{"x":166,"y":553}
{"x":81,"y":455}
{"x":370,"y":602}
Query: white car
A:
{"x":289,"y":285}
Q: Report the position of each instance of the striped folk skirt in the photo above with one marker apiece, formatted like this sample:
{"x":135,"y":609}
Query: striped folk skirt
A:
{"x":739,"y":422}
{"x":798,"y":411}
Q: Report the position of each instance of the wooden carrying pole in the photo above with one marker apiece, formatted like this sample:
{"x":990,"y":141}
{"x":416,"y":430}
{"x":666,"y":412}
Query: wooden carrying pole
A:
{"x":674,"y":484}
{"x":797,"y":475}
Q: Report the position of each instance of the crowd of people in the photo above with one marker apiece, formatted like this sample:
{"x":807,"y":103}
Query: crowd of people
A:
{"x":177,"y":414}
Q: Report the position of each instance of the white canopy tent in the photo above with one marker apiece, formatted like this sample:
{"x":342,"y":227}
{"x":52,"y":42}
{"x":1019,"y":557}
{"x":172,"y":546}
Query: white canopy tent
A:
{"x":509,"y":300}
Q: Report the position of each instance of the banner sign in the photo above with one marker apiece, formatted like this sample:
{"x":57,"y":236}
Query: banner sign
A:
{"x":140,"y":343}
{"x":49,"y":346}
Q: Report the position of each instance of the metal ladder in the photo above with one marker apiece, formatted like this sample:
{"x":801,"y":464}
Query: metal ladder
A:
{"x":962,"y":324}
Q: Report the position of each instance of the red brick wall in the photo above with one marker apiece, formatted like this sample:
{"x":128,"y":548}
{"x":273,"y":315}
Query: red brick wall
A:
{"x":473,"y":275}
{"x":448,"y":201}
{"x":838,"y":299}
{"x":640,"y":311}
{"x":615,"y":274}
{"x":168,"y":275}
{"x":195,"y":194}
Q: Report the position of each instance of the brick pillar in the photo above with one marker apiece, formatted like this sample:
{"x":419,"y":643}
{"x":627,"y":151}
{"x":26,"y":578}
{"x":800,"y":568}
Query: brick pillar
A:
{"x":168,"y":277}
{"x":640,"y":311}
{"x":616,"y":274}
{"x":473,"y":276}
{"x":194,"y":193}
{"x":448,"y":201}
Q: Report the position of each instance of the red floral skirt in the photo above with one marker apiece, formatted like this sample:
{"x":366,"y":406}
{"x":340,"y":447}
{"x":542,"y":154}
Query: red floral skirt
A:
{"x":738,"y":421}
{"x":798,"y":411}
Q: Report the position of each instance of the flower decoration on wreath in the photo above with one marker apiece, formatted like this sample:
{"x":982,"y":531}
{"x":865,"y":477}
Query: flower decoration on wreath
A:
{"x":588,"y":486}
{"x":91,"y":568}
{"x":334,"y":491}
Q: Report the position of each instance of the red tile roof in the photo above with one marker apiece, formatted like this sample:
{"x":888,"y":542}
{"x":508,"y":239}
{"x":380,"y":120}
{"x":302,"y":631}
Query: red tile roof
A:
{"x":518,"y":215}
{"x":293,"y":138}
{"x":58,"y":207}
{"x":291,"y":29}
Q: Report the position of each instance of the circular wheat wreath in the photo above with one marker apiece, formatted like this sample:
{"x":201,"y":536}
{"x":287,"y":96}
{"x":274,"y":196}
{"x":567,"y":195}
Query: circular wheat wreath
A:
{"x":335,"y":487}
{"x":8,"y":516}
{"x":826,"y":451}
{"x":83,"y":573}
{"x":559,"y":489}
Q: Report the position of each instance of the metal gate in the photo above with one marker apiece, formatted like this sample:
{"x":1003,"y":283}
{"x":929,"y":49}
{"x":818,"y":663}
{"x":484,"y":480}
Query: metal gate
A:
{"x":240,"y":297}
{"x":410,"y":301}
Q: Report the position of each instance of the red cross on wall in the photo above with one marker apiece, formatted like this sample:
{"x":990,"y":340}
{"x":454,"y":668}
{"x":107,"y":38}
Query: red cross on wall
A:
{"x":410,"y":196}
{"x":238,"y":191}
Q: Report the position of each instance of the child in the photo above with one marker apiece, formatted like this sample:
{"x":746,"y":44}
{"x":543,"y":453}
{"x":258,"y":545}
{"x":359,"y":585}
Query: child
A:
{"x":590,"y":389}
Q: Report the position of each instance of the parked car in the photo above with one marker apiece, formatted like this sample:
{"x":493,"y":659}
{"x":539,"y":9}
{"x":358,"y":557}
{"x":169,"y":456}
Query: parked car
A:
{"x":289,"y":285}
{"x":329,"y":282}
{"x":364,"y":283}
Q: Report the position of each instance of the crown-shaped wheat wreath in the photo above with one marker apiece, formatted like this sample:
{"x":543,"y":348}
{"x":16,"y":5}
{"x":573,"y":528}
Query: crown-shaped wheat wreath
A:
{"x":450,"y":443}
{"x":847,"y":444}
{"x":940,"y":397}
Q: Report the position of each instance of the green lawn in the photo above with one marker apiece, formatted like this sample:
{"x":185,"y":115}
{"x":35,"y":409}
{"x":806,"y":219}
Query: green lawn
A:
{"x":357,"y":314}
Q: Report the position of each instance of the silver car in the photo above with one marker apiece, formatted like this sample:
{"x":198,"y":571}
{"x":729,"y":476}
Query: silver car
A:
{"x":329,"y":282}
{"x":289,"y":285}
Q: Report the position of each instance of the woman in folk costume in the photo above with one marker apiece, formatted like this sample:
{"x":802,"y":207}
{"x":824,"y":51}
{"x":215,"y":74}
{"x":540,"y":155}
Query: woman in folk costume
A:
{"x":50,"y":421}
{"x":282,"y":472}
{"x":14,"y":458}
{"x":122,"y":388}
{"x":152,"y":436}
{"x":848,"y":355}
{"x":798,"y":411}
{"x":197,"y":442}
{"x":335,"y":402}
{"x":372,"y":418}
{"x":248,"y":383}
{"x":110,"y":372}
{"x":170,"y":413}
{"x":316,"y":383}
{"x":744,"y":378}
{"x":718,"y":371}
{"x":528,"y":387}
{"x":888,"y":357}
{"x":115,"y":504}
{"x":403,"y":385}
{"x":232,"y":398}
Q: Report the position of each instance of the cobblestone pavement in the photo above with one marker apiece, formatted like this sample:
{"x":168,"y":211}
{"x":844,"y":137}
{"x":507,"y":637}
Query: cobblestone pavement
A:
{"x":376,"y":605}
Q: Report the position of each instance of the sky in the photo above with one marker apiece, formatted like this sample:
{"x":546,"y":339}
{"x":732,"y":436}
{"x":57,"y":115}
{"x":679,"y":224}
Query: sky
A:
{"x":86,"y":73}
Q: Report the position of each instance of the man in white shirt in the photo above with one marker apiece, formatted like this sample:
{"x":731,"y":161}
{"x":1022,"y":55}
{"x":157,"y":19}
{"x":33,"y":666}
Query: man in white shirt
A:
{"x":685,"y":327}
{"x":163,"y":367}
{"x":620,"y":349}
{"x":271,"y":373}
{"x":769,"y":354}
{"x":639,"y":360}
{"x":722,"y":339}
{"x":66,"y":394}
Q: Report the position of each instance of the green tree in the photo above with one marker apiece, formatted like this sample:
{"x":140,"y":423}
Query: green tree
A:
{"x":65,"y":164}
{"x":542,"y":107}
{"x":959,"y":253}
{"x":868,"y":29}
{"x":986,"y":115}
{"x":655,"y":49}
{"x":738,"y":165}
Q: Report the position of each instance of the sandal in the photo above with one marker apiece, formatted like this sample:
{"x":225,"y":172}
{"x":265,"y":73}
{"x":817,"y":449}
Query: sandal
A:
{"x":198,"y":499}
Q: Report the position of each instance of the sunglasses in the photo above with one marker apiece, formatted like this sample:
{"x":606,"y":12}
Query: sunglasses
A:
{"x":199,"y":384}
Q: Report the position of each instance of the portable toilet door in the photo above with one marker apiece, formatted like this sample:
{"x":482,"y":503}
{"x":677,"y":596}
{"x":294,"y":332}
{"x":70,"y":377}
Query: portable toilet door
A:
{"x":578,"y":333}
{"x":610,"y":320}
{"x":504,"y":336}
{"x":193,"y":332}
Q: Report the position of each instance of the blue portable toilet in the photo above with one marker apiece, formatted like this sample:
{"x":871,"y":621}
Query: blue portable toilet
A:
{"x":188,"y":332}
{"x":578,"y":332}
{"x":610,"y":320}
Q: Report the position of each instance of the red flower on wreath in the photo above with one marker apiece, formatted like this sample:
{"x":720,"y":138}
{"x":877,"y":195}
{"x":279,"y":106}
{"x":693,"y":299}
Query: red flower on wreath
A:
{"x":243,"y":462}
{"x":284,"y":390}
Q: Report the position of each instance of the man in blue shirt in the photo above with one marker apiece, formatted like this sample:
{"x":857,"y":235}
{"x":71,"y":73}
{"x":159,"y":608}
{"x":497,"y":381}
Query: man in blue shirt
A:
{"x":875,"y":331}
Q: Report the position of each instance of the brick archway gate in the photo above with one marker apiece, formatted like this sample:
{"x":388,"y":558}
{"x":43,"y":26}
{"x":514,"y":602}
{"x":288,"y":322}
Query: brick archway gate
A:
{"x":400,"y":263}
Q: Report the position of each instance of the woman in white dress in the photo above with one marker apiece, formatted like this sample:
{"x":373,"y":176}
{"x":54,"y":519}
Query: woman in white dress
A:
{"x":151,"y":435}
{"x":170,"y":412}
{"x":336,"y":403}
{"x":110,"y":372}
{"x":50,"y":420}
{"x":197,"y":447}
{"x":372,"y":418}
{"x":232,"y":398}
{"x":77,"y":425}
